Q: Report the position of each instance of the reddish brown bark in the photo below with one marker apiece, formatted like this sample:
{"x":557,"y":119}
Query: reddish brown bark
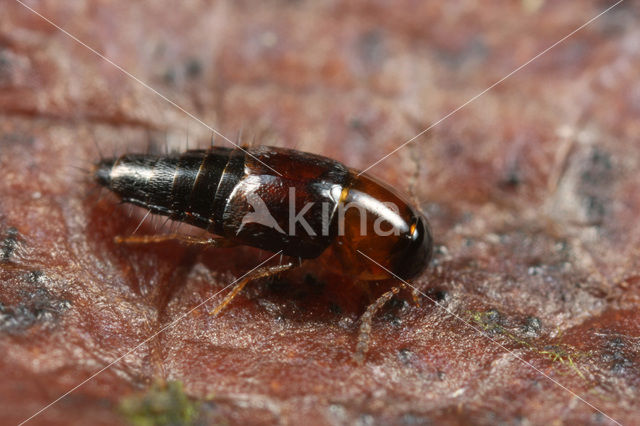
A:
{"x":533,"y":193}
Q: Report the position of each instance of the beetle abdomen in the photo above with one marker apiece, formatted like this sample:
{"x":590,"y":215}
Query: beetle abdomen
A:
{"x":177,"y":186}
{"x":287,"y":206}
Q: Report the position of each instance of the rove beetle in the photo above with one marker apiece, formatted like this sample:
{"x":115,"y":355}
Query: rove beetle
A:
{"x":280,"y":200}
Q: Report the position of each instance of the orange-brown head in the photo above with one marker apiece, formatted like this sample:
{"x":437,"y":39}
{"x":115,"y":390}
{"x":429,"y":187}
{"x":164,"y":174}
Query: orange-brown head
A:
{"x":379,"y":232}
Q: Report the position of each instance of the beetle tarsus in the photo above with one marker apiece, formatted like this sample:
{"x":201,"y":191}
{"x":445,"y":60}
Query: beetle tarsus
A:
{"x":364,"y":335}
{"x":267,"y":271}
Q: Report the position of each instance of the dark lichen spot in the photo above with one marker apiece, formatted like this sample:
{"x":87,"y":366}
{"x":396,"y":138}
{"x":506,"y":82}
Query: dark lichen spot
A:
{"x":595,"y":179}
{"x":365,"y":419}
{"x":598,"y":168}
{"x":562,"y":246}
{"x":615,"y":355}
{"x":5,"y":68}
{"x":9,"y":244}
{"x":170,"y":76}
{"x":512,"y":179}
{"x":193,"y":68}
{"x":37,"y":306}
{"x":356,"y":123}
{"x":493,"y":315}
{"x":490,"y":321}
{"x":532,"y":327}
{"x":595,"y":208}
{"x":440,"y":250}
{"x":391,"y":312}
{"x":4,"y":60}
{"x":35,"y":277}
{"x":21,"y":140}
{"x":436,"y":295}
{"x":405,"y":356}
{"x":440,"y":254}
{"x":535,"y":270}
{"x":598,"y":417}
{"x":162,"y":404}
{"x":474,"y":50}
{"x":371,"y":48}
{"x":414,"y":419}
{"x":338,"y":412}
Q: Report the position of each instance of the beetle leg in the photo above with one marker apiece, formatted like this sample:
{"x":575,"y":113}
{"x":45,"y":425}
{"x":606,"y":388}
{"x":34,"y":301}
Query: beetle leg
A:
{"x":364,"y":335}
{"x":415,"y":294}
{"x":184,"y":239}
{"x":267,"y":271}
